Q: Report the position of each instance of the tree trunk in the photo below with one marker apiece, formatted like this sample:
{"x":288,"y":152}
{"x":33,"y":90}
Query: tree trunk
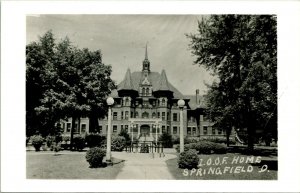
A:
{"x":228,"y":132}
{"x":93,"y":123}
{"x":78,"y":126}
{"x":72,"y":132}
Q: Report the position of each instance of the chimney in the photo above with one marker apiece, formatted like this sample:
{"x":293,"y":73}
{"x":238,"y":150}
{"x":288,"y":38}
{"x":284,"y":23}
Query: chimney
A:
{"x":197,"y":96}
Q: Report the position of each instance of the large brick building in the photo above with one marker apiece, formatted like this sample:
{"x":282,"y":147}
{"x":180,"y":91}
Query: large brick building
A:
{"x":146,"y":106}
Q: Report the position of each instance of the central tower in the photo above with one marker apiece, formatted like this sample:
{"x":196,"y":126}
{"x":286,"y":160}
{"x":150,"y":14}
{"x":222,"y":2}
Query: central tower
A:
{"x":146,"y":63}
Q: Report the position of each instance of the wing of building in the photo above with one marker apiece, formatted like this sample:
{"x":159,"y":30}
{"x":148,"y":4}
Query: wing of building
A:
{"x":145,"y":105}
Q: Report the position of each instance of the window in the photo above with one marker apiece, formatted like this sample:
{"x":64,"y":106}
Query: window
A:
{"x":219,"y":131}
{"x":127,"y":102}
{"x":126,"y":115}
{"x":122,"y":115}
{"x":115,"y":129}
{"x":168,"y":116}
{"x":205,"y":130}
{"x":213,"y":130}
{"x":168,"y":129}
{"x":131,"y":114}
{"x":145,"y":115}
{"x":192,"y":119}
{"x":126,"y":128}
{"x":99,"y":129}
{"x":189,"y":131}
{"x":136,"y":115}
{"x":158,"y":114}
{"x":153,"y":115}
{"x":163,"y":116}
{"x":115,"y":115}
{"x":143,"y":91}
{"x":154,"y":103}
{"x":174,"y":116}
{"x":194,"y":131}
{"x":163,"y":129}
{"x":163,"y":102}
{"x":68,"y":127}
{"x":147,"y":91}
{"x":122,"y":127}
{"x":175,"y":130}
{"x":83,"y":128}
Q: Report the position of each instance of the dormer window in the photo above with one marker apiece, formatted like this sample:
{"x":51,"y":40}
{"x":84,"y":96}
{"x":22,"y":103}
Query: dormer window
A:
{"x":163,"y":102}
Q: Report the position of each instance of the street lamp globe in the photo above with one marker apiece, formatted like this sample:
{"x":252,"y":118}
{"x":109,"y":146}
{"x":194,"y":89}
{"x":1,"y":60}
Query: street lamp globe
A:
{"x":181,"y":103}
{"x":110,"y":101}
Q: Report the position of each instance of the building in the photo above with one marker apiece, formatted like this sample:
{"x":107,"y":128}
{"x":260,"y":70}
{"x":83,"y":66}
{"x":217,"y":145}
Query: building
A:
{"x":146,"y":106}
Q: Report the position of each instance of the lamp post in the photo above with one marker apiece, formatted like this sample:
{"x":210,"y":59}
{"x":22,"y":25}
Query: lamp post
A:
{"x":181,"y":105}
{"x":110,"y":102}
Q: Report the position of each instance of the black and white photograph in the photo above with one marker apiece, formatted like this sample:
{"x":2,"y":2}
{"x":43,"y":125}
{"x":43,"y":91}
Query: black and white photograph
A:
{"x":125,"y":100}
{"x":187,"y":97}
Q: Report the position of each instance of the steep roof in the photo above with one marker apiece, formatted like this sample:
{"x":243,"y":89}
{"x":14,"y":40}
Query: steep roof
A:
{"x":127,"y":82}
{"x":193,"y":103}
{"x":155,"y":79}
{"x":163,"y":84}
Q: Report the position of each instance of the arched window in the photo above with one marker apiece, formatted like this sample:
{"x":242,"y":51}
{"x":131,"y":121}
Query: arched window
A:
{"x":145,"y":115}
{"x":143,"y":91}
{"x":127,"y":102}
{"x":147,"y":91}
{"x":153,"y":115}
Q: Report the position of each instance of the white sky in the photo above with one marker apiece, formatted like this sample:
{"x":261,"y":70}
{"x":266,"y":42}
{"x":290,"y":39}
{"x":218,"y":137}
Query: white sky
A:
{"x":122,"y":40}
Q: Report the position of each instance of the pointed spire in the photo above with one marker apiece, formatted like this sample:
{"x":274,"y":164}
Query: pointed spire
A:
{"x":163,"y":82}
{"x":146,"y":52}
{"x":146,"y":62}
{"x":127,"y":81}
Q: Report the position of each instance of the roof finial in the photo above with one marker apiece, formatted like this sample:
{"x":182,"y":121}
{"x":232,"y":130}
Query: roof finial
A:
{"x":146,"y":52}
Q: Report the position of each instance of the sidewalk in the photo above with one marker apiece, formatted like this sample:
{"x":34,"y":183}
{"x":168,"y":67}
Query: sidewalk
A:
{"x":141,"y":166}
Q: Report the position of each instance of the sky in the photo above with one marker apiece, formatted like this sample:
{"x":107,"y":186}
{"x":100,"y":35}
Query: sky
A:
{"x":122,"y":40}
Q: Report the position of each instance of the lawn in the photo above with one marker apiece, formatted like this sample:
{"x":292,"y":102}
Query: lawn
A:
{"x":234,"y":170}
{"x":67,"y":166}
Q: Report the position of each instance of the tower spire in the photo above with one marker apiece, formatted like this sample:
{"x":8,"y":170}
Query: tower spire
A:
{"x":146,"y":52}
{"x":146,"y":63}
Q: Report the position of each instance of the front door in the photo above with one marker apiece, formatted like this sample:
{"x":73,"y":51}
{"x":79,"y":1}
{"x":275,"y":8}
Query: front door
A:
{"x":145,"y":130}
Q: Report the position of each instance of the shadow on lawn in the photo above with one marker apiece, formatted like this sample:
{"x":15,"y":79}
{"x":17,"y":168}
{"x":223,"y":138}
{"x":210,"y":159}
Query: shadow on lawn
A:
{"x":104,"y":164}
{"x":258,"y":151}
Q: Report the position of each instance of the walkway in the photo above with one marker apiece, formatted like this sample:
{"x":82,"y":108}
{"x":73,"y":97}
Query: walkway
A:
{"x":141,"y":166}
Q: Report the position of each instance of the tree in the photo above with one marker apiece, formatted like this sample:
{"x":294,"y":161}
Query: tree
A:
{"x":241,"y":52}
{"x":76,"y":84}
{"x":39,"y":59}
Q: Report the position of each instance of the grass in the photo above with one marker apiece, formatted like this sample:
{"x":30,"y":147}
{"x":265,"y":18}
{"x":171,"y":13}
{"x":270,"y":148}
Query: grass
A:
{"x":67,"y":166}
{"x":270,"y":174}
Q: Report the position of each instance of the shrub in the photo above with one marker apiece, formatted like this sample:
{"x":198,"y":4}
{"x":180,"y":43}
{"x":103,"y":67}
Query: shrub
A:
{"x":188,"y":159}
{"x":94,"y":140}
{"x":56,"y":147}
{"x":79,"y":142}
{"x":94,"y":157}
{"x":118,"y":143}
{"x":219,"y":139}
{"x":208,"y":147}
{"x":191,"y":140}
{"x":66,"y":139}
{"x":125,"y":134}
{"x":175,"y":139}
{"x":49,"y":140}
{"x":166,"y":140}
{"x":37,"y":142}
